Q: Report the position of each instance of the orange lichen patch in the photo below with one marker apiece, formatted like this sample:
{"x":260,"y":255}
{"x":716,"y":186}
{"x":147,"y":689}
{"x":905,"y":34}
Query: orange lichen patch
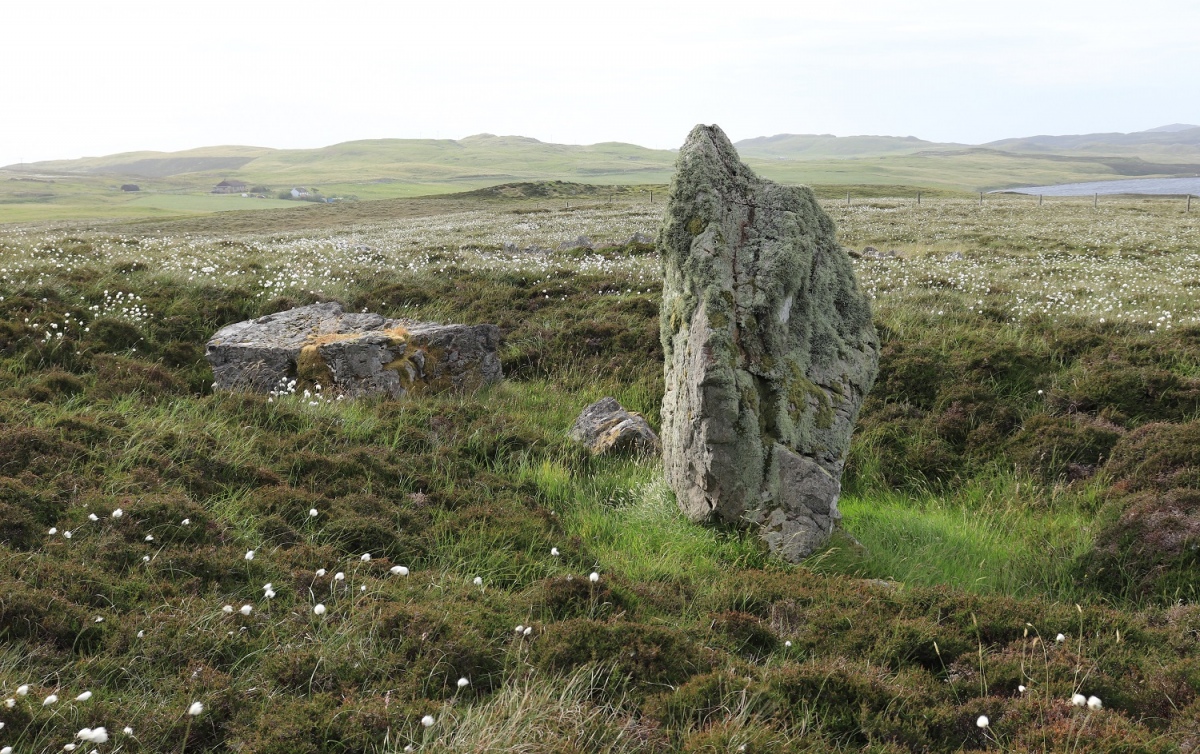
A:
{"x":311,"y":368}
{"x":396,"y":334}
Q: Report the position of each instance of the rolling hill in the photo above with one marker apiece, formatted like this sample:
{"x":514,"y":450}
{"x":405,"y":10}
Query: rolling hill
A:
{"x":178,"y":183}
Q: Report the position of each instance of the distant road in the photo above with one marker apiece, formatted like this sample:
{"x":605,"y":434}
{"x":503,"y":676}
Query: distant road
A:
{"x":1173,"y":186}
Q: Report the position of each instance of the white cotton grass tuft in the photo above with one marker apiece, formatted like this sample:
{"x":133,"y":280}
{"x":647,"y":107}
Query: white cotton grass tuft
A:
{"x":6,"y":750}
{"x":93,"y":517}
{"x":1079,"y":700}
{"x":127,"y":730}
{"x":1094,"y":703}
{"x":53,"y":530}
{"x":318,"y":609}
{"x":195,"y":709}
{"x":399,"y":571}
{"x":1021,"y":688}
{"x":1059,"y":639}
{"x":366,"y":557}
{"x":554,"y":552}
{"x":94,"y":735}
{"x":149,"y":538}
{"x":23,"y":689}
{"x":463,"y":682}
{"x":117,"y":513}
{"x":520,"y":627}
{"x":321,"y":572}
{"x":228,"y":609}
{"x":52,"y":699}
{"x":593,"y":577}
{"x":186,"y":522}
{"x":312,"y":513}
{"x":84,"y":696}
{"x":982,"y":721}
{"x":528,"y":630}
{"x":67,"y":534}
{"x":247,"y":609}
{"x":428,"y":721}
{"x":477,"y":581}
{"x":339,"y":576}
{"x":249,"y":554}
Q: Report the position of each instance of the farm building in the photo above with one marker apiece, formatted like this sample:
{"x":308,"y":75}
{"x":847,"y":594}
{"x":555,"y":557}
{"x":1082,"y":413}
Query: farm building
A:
{"x":131,"y":187}
{"x":229,"y":187}
{"x":300,"y":192}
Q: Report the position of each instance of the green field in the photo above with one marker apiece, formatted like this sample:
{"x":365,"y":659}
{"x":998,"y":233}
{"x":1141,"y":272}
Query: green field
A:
{"x":1025,"y":467}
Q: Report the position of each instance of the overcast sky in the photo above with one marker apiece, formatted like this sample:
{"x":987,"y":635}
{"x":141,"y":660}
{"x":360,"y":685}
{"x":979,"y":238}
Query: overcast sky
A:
{"x":101,"y":76}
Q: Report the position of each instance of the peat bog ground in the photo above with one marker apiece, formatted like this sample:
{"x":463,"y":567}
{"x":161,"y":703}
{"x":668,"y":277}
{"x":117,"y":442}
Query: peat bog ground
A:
{"x":1022,"y":500}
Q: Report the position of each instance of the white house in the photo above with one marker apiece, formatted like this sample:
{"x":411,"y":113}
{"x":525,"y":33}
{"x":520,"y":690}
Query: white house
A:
{"x":299,"y":192}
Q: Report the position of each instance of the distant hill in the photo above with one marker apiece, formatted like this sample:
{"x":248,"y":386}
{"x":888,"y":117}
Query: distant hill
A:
{"x":1170,"y":129}
{"x":483,"y":157}
{"x":152,"y":164}
{"x":174,"y":183}
{"x":810,"y":146}
{"x":1166,"y":139}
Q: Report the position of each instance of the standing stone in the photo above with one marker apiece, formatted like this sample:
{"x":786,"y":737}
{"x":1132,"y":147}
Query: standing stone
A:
{"x":769,"y":349}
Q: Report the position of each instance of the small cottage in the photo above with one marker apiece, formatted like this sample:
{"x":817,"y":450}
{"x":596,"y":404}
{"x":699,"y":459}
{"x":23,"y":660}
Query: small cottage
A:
{"x":300,"y":192}
{"x":229,"y":187}
{"x":130,"y":187}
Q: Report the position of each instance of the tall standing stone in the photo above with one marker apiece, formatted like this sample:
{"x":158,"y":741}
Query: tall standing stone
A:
{"x":769,"y":349}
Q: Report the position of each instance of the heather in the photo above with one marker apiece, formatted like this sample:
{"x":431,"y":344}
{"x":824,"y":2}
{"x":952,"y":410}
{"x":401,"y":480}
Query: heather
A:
{"x":1024,"y":468}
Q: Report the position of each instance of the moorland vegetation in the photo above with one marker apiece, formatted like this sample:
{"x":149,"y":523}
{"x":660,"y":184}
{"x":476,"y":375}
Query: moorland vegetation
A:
{"x":1021,"y":509}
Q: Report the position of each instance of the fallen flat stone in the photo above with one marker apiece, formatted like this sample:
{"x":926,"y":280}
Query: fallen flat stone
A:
{"x":352,"y":354}
{"x":606,"y":427}
{"x":769,"y":349}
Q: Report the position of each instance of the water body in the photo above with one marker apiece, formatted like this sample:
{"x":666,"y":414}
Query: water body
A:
{"x":1161,"y":186}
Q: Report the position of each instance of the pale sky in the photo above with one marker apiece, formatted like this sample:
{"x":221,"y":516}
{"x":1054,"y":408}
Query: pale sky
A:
{"x":96,"y":77}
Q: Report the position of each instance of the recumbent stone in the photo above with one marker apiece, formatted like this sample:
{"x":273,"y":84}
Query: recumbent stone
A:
{"x":352,"y":354}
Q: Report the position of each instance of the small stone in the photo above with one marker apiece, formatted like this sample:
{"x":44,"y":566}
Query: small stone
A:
{"x":605,"y":427}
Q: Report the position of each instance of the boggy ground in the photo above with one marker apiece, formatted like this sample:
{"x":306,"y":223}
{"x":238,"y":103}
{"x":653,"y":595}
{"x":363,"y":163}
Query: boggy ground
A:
{"x":1020,"y":472}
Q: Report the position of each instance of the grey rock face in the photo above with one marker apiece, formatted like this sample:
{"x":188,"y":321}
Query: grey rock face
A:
{"x":352,"y":354}
{"x":769,"y":349}
{"x":606,"y":427}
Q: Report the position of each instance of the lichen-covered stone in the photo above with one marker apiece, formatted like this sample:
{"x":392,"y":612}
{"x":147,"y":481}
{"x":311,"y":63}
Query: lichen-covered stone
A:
{"x":769,"y":349}
{"x":606,"y":427}
{"x":352,"y":354}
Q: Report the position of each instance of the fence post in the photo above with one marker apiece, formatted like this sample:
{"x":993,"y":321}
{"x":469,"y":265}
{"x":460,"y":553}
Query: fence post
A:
{"x":1039,"y":200}
{"x":980,"y":198}
{"x":847,"y":198}
{"x":1096,"y":200}
{"x":1189,"y":209}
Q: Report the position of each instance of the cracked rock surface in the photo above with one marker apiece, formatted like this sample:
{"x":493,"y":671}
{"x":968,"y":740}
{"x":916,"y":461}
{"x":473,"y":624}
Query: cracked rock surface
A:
{"x":769,"y":346}
{"x":352,"y":354}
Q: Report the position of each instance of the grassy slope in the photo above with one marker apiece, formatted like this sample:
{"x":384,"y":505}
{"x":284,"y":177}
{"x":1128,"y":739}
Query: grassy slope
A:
{"x":680,"y":646}
{"x":391,"y":168}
